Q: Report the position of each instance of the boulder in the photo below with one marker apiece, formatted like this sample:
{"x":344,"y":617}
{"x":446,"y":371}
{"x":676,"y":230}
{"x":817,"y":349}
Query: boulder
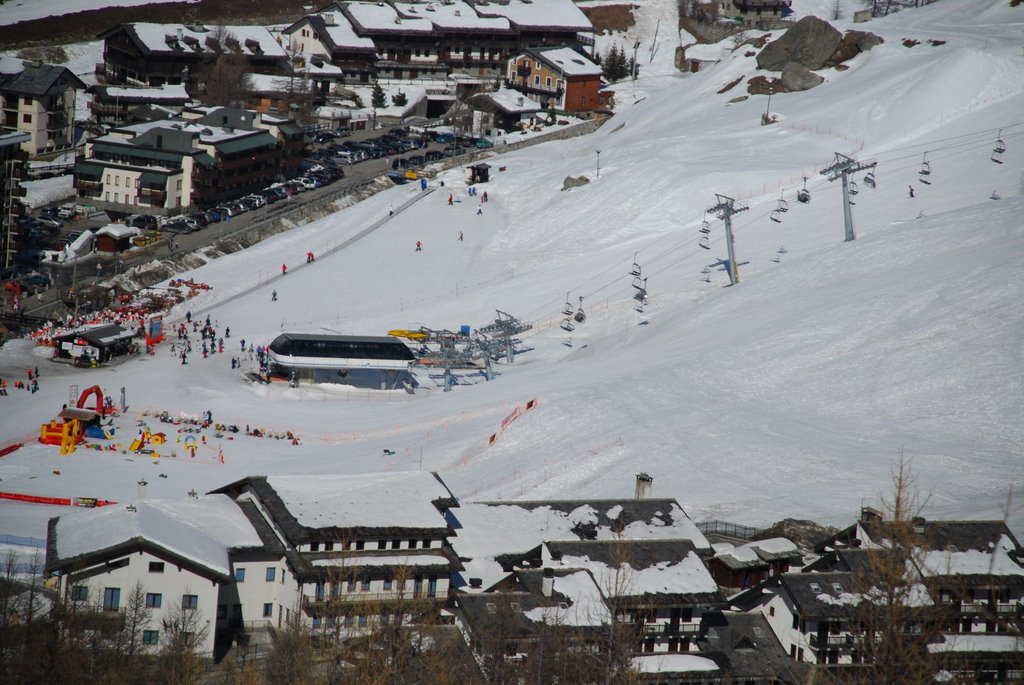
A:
{"x":571,"y":182}
{"x":809,"y":43}
{"x":796,"y":77}
{"x":852,"y":44}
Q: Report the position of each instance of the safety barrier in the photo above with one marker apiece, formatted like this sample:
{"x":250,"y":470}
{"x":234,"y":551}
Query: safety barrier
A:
{"x":58,"y":501}
{"x":507,"y":421}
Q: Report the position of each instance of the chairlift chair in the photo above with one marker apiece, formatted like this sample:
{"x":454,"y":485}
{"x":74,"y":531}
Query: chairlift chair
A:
{"x":803,"y":195}
{"x":567,"y":325}
{"x":869,"y":179}
{"x":639,"y":283}
{"x":568,"y":309}
{"x":580,"y":316}
{"x":999,"y":149}
{"x":854,"y":189}
{"x":783,"y":206}
{"x":635,"y":271}
{"x":925,"y":172}
{"x":641,"y":289}
{"x":776,"y":216}
{"x":704,"y":242}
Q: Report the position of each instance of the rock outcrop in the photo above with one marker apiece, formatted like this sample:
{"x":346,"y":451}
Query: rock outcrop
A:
{"x":571,"y":182}
{"x":810,"y":43}
{"x":796,"y":77}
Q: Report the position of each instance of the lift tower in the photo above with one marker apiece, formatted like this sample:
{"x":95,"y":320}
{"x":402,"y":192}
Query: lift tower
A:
{"x":842,"y":168}
{"x":725,"y":208}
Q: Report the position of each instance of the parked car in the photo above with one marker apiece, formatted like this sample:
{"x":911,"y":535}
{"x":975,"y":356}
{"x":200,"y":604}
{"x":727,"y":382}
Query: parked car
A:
{"x":50,"y":223}
{"x":37,"y":280}
{"x":484,"y":143}
{"x":444,"y":138}
{"x":200,"y":219}
{"x":343,"y":132}
{"x":49,"y":213}
{"x":146,"y":222}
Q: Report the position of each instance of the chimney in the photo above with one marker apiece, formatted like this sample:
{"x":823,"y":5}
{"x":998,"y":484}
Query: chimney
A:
{"x":548,"y":585}
{"x":556,"y":556}
{"x":476,"y":583}
{"x":180,"y":33}
{"x":643,"y":485}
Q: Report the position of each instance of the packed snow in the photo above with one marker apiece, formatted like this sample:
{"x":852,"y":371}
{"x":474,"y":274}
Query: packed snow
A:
{"x":13,"y":11}
{"x":790,"y":394}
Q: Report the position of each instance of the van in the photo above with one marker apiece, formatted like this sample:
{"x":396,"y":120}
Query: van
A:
{"x":67,"y":211}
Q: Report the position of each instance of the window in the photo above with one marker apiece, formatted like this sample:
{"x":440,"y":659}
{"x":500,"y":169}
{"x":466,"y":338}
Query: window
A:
{"x":382,"y":544}
{"x":412,"y":544}
{"x":328,"y":546}
{"x":815,"y":588}
{"x":314,"y":547}
{"x":138,"y":183}
{"x":179,"y":184}
{"x":796,"y":622}
{"x":190,"y":601}
{"x":836,"y":587}
{"x":156,"y":567}
{"x":222,"y":611}
{"x":362,"y":620}
{"x":26,"y":118}
{"x":117,"y":181}
{"x":366,"y":584}
{"x":239,"y":575}
{"x":150,"y":637}
{"x":536,"y":80}
{"x":426,"y":543}
{"x":547,"y":81}
{"x":154,"y":600}
{"x":360,"y":544}
{"x":348,"y":619}
{"x":771,"y":611}
{"x":432,"y":586}
{"x":268,"y":610}
{"x":388,"y":583}
{"x":271,"y":574}
{"x":27,"y":101}
{"x":108,"y":179}
{"x":396,"y":544}
{"x":111,"y":598}
{"x":80,"y":593}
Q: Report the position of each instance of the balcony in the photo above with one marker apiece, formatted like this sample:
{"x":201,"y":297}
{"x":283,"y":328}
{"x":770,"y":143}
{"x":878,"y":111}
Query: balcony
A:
{"x":832,"y":641}
{"x":363,"y":598}
{"x":1009,"y":608}
{"x":687,"y":629}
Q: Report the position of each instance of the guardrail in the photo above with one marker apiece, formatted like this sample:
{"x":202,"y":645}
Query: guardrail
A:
{"x":732,"y":530}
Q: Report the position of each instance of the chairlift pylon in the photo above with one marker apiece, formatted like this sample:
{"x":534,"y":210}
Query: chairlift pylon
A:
{"x":926,"y":170}
{"x":869,"y":179}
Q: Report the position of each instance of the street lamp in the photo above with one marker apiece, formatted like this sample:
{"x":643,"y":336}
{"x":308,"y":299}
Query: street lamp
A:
{"x":636,"y":46}
{"x":598,"y":163}
{"x":766,"y":119}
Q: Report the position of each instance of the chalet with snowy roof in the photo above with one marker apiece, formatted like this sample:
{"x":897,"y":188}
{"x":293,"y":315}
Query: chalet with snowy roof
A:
{"x":973,"y":572}
{"x":178,"y":551}
{"x":411,"y":40}
{"x":145,"y":54}
{"x":489,"y":558}
{"x":114,"y":104}
{"x":746,"y":565}
{"x":558,"y":78}
{"x":38,"y":99}
{"x":357,"y":557}
{"x":197,"y":160}
{"x":504,"y":108}
{"x":813,"y":615}
{"x":660,"y":587}
{"x":746,"y":650}
{"x":115,"y":238}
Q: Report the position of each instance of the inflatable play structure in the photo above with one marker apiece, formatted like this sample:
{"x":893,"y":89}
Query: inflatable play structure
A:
{"x":73,"y":424}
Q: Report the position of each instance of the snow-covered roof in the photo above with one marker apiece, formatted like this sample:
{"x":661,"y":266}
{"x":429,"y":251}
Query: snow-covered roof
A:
{"x":569,"y":62}
{"x":201,"y":530}
{"x":686,"y":575}
{"x":118,"y":231}
{"x":380,"y":16}
{"x":673,"y":663}
{"x":585,"y":606}
{"x":152,"y":94}
{"x":948,"y":562}
{"x":758,"y":551}
{"x":452,"y":15}
{"x":252,"y":40}
{"x":562,"y":14}
{"x":513,"y":101}
{"x":363,"y":500}
{"x":339,"y":29}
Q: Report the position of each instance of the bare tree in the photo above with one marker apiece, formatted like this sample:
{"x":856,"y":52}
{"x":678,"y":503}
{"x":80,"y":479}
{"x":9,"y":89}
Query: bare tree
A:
{"x":179,"y":662}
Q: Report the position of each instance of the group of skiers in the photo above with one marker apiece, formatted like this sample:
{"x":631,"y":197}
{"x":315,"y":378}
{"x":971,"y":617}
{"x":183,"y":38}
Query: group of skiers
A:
{"x":32,"y":385}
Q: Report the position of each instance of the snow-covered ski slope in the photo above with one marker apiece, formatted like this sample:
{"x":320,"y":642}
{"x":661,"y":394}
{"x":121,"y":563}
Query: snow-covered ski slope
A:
{"x":790,"y":394}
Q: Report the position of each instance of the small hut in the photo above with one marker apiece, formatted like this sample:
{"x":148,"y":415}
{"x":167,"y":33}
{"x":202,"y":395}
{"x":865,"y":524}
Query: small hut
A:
{"x":479,"y":173}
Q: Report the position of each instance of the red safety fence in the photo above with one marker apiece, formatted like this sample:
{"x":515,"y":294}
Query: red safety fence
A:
{"x":59,"y":501}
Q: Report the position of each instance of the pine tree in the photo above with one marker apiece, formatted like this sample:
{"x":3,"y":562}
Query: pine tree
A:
{"x":399,"y":99}
{"x":377,"y":98}
{"x":614,"y":64}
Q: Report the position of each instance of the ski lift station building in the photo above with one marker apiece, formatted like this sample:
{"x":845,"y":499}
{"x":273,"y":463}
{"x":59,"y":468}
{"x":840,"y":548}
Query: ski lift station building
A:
{"x":375,"y":362}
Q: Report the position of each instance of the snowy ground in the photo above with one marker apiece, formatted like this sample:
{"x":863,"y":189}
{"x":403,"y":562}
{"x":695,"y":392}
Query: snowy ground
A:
{"x":788,"y":395}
